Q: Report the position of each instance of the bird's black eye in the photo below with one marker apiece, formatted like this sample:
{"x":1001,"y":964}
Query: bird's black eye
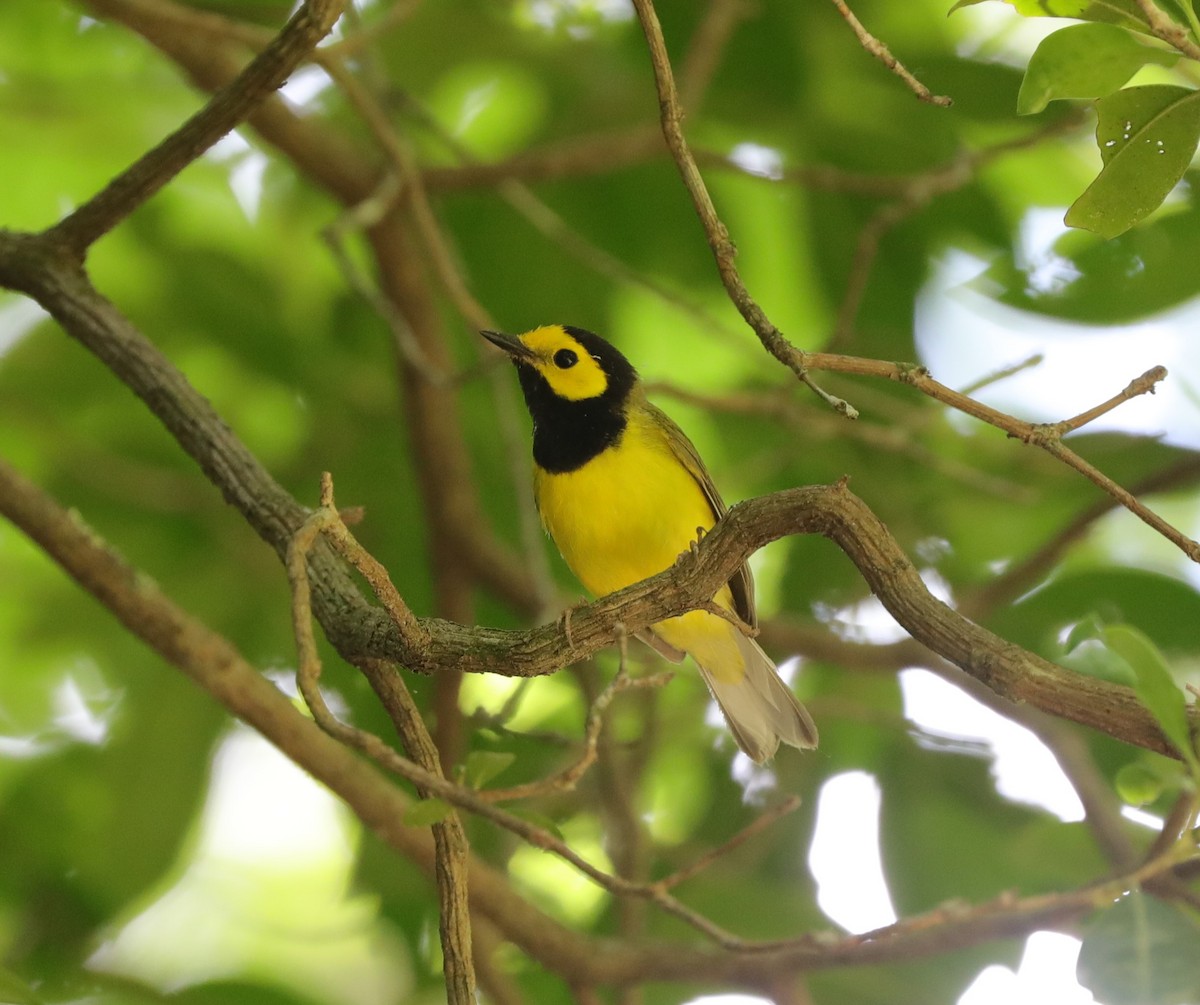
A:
{"x":564,"y":359}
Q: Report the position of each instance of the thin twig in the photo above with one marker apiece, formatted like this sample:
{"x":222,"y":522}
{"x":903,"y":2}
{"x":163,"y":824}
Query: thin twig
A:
{"x":551,"y":225}
{"x":1037,"y":434}
{"x":1168,"y":30}
{"x":449,"y":836}
{"x":362,"y":216}
{"x":1004,"y":373}
{"x":1022,"y":576}
{"x":911,"y":194}
{"x":880,"y":51}
{"x":719,"y":241}
{"x":408,"y":178}
{"x":721,"y":18}
{"x":579,"y":157}
{"x":816,"y":425}
{"x":389,"y":19}
{"x":617,"y":781}
{"x":752,"y":829}
{"x":1187,"y":545}
{"x":866,"y":250}
{"x":1145,"y":384}
{"x":451,"y":850}
{"x":569,"y":777}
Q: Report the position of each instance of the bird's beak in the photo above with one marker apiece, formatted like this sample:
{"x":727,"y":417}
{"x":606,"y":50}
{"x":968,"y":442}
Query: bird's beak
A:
{"x":512,"y":345}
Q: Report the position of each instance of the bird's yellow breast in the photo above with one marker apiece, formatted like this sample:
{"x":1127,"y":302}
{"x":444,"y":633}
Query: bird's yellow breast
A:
{"x":627,"y":513}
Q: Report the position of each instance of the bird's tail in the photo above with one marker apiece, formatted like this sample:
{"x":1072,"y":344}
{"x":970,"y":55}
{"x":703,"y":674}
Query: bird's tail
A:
{"x":760,"y":708}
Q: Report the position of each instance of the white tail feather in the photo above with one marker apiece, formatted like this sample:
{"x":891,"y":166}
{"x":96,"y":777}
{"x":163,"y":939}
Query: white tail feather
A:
{"x":760,"y":708}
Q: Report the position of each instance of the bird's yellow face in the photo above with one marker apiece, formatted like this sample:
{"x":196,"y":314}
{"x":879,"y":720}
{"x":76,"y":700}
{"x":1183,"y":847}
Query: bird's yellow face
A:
{"x":577,"y":387}
{"x":571,"y":371}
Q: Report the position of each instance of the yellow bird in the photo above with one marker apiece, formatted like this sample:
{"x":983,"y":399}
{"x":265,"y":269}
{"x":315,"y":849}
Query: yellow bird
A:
{"x":623,"y":493}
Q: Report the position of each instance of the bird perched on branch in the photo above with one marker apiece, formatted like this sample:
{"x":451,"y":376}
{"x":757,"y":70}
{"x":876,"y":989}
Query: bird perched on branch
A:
{"x":623,"y":493}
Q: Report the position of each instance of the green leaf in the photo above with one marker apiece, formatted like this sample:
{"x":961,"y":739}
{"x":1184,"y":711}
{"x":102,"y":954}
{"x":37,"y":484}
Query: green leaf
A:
{"x":484,"y":765}
{"x":1138,"y":785}
{"x":1155,"y":686}
{"x":1141,"y":951}
{"x":1084,"y":61}
{"x":1147,"y":137}
{"x":427,"y":812}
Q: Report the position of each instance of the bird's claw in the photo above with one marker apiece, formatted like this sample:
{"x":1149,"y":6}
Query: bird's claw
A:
{"x":565,"y":620}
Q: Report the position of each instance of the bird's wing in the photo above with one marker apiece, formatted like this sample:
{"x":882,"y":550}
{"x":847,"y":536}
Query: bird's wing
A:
{"x":741,"y":584}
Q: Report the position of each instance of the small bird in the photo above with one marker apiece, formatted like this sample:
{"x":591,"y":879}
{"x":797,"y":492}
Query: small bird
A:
{"x":623,"y":493}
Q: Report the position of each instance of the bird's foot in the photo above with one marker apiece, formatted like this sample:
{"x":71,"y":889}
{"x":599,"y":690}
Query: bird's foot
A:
{"x":693,"y":548}
{"x":564,"y":619}
{"x":712,"y":607}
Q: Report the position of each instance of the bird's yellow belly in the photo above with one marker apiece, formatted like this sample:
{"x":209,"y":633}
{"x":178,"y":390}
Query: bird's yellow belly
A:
{"x":628,"y":514}
{"x":625,"y":515}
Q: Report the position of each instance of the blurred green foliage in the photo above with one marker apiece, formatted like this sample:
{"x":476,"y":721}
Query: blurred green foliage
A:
{"x":105,"y":753}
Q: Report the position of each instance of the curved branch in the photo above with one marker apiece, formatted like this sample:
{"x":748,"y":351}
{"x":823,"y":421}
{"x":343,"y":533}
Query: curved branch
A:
{"x":351,"y":174}
{"x":835,"y":513}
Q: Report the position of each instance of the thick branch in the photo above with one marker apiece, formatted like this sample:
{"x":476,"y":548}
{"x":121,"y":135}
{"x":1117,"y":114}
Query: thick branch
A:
{"x":40,"y":268}
{"x":834,"y":512}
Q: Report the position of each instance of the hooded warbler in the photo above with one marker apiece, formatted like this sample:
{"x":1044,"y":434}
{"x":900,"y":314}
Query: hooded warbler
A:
{"x":623,"y":493}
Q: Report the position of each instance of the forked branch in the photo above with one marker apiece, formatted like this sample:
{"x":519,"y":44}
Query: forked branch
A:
{"x":801,"y":362}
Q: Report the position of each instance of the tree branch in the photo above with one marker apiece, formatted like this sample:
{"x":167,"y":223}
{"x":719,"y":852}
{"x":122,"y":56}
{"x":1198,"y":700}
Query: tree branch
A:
{"x":719,"y":241}
{"x":351,"y":174}
{"x":47,"y":267}
{"x":1026,"y":573}
{"x":801,"y":362}
{"x":228,"y":107}
{"x":1162,"y":25}
{"x":449,"y":838}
